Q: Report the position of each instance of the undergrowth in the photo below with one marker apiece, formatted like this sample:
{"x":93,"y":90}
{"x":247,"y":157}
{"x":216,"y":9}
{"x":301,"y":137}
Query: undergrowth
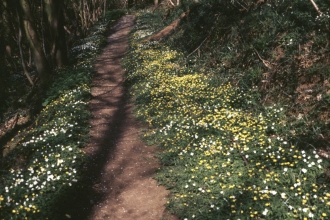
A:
{"x":229,"y":152}
{"x":46,"y":158}
{"x":282,"y":47}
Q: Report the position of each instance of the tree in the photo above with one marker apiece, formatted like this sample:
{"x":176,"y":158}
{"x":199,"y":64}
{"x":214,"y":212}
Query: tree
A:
{"x":39,"y":57}
{"x":55,"y":19}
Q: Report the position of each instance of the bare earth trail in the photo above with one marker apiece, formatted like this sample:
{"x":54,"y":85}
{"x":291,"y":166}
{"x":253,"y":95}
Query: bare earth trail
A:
{"x":122,"y":166}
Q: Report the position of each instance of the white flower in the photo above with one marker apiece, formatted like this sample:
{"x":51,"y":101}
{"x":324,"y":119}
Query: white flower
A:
{"x":265,"y":212}
{"x":304,"y":170}
{"x":186,"y":186}
{"x":273,"y":192}
{"x":311,"y":215}
{"x":285,"y":169}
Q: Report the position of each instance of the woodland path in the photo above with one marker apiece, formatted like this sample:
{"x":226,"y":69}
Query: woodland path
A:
{"x":122,"y":166}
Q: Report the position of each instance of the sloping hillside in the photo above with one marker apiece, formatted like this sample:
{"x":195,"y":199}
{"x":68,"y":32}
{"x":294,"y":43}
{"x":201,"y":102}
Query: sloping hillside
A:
{"x":237,"y":96}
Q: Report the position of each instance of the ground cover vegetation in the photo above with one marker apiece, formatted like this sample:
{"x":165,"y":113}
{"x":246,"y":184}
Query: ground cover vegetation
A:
{"x":236,"y":98}
{"x":44,"y":161}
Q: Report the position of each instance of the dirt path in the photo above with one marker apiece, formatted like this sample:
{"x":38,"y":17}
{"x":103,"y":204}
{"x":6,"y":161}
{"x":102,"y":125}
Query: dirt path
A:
{"x":122,"y":165}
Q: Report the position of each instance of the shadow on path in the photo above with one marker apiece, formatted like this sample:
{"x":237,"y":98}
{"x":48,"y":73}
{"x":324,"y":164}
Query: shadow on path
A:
{"x":117,"y":181}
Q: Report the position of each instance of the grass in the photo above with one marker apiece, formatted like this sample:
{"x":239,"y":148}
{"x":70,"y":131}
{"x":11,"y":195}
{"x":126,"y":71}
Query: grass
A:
{"x":47,"y":161}
{"x":225,"y":156}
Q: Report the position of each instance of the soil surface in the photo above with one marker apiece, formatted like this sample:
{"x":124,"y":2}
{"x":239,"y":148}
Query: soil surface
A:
{"x":122,"y":167}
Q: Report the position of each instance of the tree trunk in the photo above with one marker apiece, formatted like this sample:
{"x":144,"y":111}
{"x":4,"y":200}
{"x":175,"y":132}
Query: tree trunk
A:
{"x":21,"y":52}
{"x":130,"y":3}
{"x":6,"y":31}
{"x":55,"y":18}
{"x":105,"y":9}
{"x":156,"y":3}
{"x":40,"y":60}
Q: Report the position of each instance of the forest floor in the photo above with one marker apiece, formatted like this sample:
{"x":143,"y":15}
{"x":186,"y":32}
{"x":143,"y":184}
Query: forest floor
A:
{"x":123,"y":166}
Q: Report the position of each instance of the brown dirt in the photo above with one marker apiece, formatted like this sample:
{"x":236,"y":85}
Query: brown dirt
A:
{"x":121,"y":184}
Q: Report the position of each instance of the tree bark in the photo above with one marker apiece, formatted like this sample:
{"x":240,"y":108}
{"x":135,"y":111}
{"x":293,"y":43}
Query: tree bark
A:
{"x":21,"y":53}
{"x":130,"y":3}
{"x":55,"y":18}
{"x":39,"y":57}
{"x":104,"y":9}
{"x":8,"y":27}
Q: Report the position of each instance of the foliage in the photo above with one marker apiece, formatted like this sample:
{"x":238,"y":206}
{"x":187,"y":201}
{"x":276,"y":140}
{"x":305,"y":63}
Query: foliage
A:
{"x":47,"y":159}
{"x":225,"y":155}
{"x":237,"y":39}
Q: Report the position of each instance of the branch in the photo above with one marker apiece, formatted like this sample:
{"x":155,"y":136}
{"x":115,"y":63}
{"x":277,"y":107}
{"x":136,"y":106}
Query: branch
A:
{"x":316,"y":7}
{"x":67,"y":30}
{"x":197,"y":47}
{"x":168,"y":29}
{"x":172,"y":3}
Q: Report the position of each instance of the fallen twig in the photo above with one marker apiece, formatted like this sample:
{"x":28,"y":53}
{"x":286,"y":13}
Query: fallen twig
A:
{"x":209,"y":34}
{"x":265,"y":62}
{"x":316,"y":7}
